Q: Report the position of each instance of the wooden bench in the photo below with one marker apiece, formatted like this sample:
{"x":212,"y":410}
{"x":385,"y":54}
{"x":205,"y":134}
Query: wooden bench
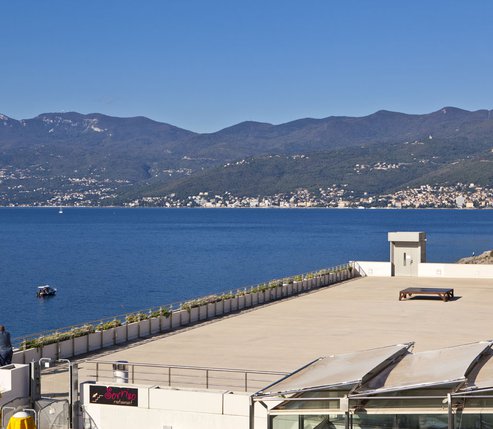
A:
{"x":444,"y":294}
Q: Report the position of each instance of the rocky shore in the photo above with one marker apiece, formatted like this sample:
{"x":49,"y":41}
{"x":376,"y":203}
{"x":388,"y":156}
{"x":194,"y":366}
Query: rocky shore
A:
{"x":484,"y":258}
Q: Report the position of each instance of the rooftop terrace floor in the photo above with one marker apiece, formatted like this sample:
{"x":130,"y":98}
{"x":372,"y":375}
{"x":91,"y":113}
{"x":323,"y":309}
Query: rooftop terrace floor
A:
{"x":355,"y":315}
{"x":358,"y":314}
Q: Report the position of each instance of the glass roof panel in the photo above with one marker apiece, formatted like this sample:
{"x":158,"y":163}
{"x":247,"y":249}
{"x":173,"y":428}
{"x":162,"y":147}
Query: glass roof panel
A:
{"x":341,"y":370}
{"x":430,"y":368}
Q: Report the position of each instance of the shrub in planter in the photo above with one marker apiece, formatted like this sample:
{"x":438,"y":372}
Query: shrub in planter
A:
{"x":211,"y":299}
{"x":108,"y":325}
{"x":137,"y":317}
{"x":163,"y":311}
{"x":57,"y":337}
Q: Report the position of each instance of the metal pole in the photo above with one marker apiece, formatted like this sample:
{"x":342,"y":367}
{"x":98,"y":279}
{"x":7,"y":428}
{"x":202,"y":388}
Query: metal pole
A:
{"x":74,"y":395}
{"x":251,"y":414}
{"x":450,"y":415}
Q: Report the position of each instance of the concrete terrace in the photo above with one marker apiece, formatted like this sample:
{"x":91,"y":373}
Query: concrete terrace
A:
{"x":355,"y":315}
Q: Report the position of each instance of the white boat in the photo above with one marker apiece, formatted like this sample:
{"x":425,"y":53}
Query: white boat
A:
{"x":60,"y":210}
{"x":45,"y":290}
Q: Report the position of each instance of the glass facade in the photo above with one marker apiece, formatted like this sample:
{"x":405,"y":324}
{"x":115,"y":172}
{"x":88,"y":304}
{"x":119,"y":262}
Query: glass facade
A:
{"x":441,"y":389}
{"x":413,"y":409}
{"x":309,"y":421}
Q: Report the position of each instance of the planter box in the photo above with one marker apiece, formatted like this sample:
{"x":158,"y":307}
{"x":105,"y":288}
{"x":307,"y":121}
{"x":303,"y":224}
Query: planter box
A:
{"x":254,"y":299}
{"x":121,"y":334}
{"x":278,"y":292}
{"x":176,"y":319}
{"x":234,"y":304}
{"x":219,"y":308}
{"x":211,"y":310}
{"x":94,"y":341}
{"x":65,"y":349}
{"x":31,"y":355}
{"x":80,"y":345}
{"x":289,"y":289}
{"x":165,"y":323}
{"x":18,"y":357}
{"x":145,"y":328}
{"x":133,"y":331}
{"x":50,"y":351}
{"x":185,"y":318}
{"x":248,"y":300}
{"x":26,"y":356}
{"x":203,"y":312}
{"x":194,"y":314}
{"x":296,"y":287}
{"x":241,"y":302}
{"x":154,"y":325}
{"x":227,"y":306}
{"x":109,"y":337}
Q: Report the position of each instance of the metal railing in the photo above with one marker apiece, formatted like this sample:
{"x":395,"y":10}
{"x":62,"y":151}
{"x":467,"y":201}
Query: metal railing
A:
{"x":181,"y":375}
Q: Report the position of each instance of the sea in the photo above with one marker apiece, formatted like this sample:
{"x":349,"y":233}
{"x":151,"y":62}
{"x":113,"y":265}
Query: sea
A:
{"x":112,"y":261}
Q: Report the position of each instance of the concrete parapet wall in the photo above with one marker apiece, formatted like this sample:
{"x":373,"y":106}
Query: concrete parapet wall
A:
{"x":373,"y":269}
{"x":14,"y":383}
{"x":472,"y":271}
{"x":165,"y":407}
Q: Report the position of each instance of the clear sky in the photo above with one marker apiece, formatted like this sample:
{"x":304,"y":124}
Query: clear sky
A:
{"x":205,"y":65}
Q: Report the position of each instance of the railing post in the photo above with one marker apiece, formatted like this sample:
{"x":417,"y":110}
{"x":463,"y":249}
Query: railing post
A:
{"x":97,"y":371}
{"x":246,"y":381}
{"x":169,"y":376}
{"x":206,"y":378}
{"x":133,"y":374}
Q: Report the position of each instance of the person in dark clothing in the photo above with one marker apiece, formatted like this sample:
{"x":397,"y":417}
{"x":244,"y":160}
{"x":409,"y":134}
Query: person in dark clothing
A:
{"x":5,"y":347}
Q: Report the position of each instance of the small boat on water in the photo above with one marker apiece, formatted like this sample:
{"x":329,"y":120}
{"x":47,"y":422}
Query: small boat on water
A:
{"x":45,"y":290}
{"x":60,"y":210}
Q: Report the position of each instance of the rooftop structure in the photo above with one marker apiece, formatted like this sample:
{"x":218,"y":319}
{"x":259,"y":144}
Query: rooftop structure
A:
{"x":352,"y":355}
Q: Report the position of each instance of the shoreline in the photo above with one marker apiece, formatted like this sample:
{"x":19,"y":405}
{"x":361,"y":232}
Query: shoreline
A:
{"x":249,"y":208}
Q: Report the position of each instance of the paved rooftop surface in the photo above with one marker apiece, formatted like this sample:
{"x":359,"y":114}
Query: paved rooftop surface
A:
{"x":355,"y":315}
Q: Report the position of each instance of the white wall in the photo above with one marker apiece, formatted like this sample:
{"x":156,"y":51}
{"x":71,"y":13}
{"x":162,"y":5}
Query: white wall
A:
{"x":183,"y":409}
{"x":14,"y":383}
{"x":426,"y":269}
{"x":455,"y":270}
{"x":373,"y":269}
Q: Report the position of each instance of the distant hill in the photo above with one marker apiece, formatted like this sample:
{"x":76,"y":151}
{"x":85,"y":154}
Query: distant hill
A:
{"x":48,"y":154}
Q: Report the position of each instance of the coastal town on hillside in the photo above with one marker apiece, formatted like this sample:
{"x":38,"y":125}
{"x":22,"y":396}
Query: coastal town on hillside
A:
{"x":425,"y":196}
{"x":91,"y":192}
{"x":21,"y":188}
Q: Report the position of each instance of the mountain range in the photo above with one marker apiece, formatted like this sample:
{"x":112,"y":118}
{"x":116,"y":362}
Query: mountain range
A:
{"x":49,"y":154}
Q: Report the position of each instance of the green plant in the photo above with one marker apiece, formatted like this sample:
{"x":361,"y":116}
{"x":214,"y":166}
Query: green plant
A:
{"x":137,"y":317}
{"x":163,"y":311}
{"x":108,"y":325}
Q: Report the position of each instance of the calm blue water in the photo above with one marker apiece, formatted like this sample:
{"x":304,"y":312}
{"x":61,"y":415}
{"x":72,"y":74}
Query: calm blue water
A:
{"x":106,"y":262}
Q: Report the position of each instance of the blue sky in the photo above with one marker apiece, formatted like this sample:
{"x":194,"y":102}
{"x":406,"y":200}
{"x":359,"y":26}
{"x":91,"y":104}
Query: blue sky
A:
{"x":205,"y":65}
